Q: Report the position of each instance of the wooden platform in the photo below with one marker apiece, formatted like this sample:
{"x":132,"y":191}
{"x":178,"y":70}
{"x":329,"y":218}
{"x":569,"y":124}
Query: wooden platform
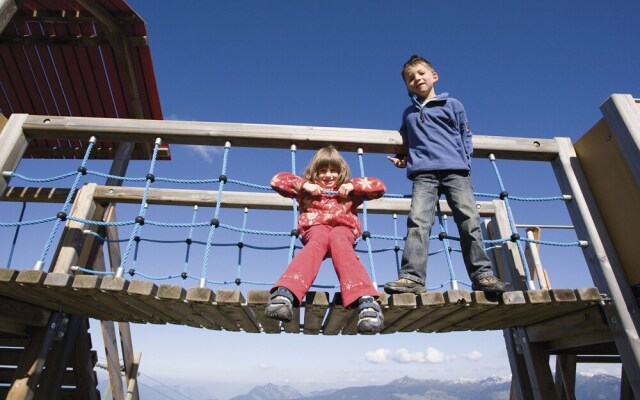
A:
{"x":117,"y":299}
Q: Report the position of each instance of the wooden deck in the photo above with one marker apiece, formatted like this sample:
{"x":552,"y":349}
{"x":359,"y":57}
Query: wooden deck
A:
{"x":118,"y":299}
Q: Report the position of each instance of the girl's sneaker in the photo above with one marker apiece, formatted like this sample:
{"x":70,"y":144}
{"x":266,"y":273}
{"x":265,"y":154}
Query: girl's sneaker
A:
{"x":370,"y":318}
{"x":280,"y":305}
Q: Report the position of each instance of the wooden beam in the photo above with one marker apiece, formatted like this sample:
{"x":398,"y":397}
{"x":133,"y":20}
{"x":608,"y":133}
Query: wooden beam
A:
{"x":622,"y":114}
{"x":623,"y":313}
{"x":267,"y":136}
{"x":13,"y":144}
{"x":23,"y":313}
{"x":8,"y":9}
{"x":33,"y":359}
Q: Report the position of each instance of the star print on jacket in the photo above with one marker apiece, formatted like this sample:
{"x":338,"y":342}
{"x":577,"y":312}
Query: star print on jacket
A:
{"x":328,"y":209}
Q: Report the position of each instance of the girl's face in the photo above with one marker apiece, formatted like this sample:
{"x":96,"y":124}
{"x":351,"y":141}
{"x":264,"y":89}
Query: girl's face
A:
{"x":328,"y":177}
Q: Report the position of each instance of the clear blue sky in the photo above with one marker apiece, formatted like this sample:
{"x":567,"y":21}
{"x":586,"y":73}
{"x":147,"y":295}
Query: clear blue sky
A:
{"x":528,"y":69}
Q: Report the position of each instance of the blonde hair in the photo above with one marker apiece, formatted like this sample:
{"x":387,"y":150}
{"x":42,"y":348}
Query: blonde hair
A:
{"x":327,"y":156}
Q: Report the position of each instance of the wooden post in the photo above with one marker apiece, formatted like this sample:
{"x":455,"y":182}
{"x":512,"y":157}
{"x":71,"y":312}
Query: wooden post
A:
{"x":73,"y":237}
{"x":511,"y":270}
{"x":8,"y":9}
{"x":622,"y":114}
{"x":623,"y":314}
{"x":566,"y":376}
{"x":13,"y":144}
{"x":29,"y":370}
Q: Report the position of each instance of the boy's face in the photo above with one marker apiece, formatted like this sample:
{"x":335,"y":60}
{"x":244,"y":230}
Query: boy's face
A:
{"x":420,"y":79}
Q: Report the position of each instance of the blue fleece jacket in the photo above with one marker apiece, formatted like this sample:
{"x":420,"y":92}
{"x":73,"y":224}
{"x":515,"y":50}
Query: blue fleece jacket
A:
{"x":437,"y":135}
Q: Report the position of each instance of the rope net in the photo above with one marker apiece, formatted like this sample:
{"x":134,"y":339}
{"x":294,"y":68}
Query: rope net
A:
{"x":201,"y":246}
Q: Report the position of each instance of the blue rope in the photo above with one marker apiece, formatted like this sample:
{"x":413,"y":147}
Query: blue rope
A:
{"x":244,"y":225}
{"x":372,"y":268}
{"x":15,"y":235}
{"x":511,"y":220}
{"x":295,"y":209}
{"x":395,"y":239}
{"x":68,"y":200}
{"x":135,"y":232}
{"x":51,"y":179}
{"x":189,"y":240}
{"x":445,"y":243}
{"x":212,"y":230}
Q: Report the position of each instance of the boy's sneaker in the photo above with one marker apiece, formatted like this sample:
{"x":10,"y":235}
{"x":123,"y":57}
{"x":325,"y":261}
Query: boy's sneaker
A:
{"x":404,"y":285}
{"x":489,"y":284}
{"x":280,"y":305}
{"x":370,"y":318}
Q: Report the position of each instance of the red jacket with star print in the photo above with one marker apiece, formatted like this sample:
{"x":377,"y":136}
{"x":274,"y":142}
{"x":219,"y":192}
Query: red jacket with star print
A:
{"x":328,"y":209}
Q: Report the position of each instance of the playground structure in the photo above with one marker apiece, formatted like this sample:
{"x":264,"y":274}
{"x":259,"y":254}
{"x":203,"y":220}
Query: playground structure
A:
{"x":44,"y":314}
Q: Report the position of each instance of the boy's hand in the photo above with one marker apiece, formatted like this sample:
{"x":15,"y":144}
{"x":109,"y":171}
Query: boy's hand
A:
{"x":345,"y":189}
{"x":400,"y":162}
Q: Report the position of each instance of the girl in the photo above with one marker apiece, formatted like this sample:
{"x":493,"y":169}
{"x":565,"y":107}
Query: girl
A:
{"x":328,"y":225}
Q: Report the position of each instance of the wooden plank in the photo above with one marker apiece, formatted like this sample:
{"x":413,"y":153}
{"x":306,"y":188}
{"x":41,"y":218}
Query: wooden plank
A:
{"x":60,"y":286}
{"x":33,"y":359}
{"x":132,"y":382}
{"x":115,"y":310}
{"x":23,"y":313}
{"x":31,"y":285}
{"x":257,"y":300}
{"x":174,"y":297}
{"x":510,"y":302}
{"x":537,"y":361}
{"x":203,"y":301}
{"x":337,"y":317}
{"x":146,"y":293}
{"x":315,"y":309}
{"x":12,"y":327}
{"x":83,"y":364}
{"x":293,"y":326}
{"x":565,"y":381}
{"x":479,"y":304}
{"x":426,"y":303}
{"x":13,"y":144}
{"x":232,"y":304}
{"x":73,"y":238}
{"x":398,"y":306}
{"x":454,"y":301}
{"x":117,"y":287}
{"x":582,"y":322}
{"x":268,"y":136}
{"x":10,"y":356}
{"x":113,"y":362}
{"x":623,"y":313}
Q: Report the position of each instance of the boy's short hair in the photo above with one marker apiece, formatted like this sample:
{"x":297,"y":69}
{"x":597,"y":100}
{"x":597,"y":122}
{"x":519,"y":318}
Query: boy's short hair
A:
{"x":413,"y":60}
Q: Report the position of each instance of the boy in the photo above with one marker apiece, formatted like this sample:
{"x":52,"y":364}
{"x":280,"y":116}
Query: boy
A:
{"x":438,"y":139}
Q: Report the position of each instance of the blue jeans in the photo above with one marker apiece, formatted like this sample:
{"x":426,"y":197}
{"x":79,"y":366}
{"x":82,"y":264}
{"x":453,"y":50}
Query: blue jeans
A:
{"x":458,"y":190}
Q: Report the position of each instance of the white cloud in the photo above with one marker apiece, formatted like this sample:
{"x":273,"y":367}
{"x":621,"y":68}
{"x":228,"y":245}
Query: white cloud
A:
{"x":264,"y":366}
{"x":378,"y":356}
{"x":403,"y":356}
{"x":474,"y":355}
{"x":209,"y":153}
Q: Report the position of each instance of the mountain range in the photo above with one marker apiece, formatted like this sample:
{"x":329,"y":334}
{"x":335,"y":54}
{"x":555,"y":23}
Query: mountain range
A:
{"x":588,"y":387}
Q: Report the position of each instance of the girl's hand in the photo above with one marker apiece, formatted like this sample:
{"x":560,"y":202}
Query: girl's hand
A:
{"x":312,"y":188}
{"x":400,"y":162}
{"x":345,"y":189}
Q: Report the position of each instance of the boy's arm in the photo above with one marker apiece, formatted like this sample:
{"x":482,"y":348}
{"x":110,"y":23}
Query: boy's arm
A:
{"x":287,"y":184}
{"x":400,"y":159}
{"x":368,"y":187}
{"x":465,"y":131}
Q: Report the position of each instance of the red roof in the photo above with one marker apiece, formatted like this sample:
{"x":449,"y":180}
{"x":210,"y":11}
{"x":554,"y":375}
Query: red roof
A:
{"x":58,"y":57}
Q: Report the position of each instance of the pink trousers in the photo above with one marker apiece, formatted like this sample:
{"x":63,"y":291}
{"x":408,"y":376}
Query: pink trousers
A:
{"x":322,"y":241}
